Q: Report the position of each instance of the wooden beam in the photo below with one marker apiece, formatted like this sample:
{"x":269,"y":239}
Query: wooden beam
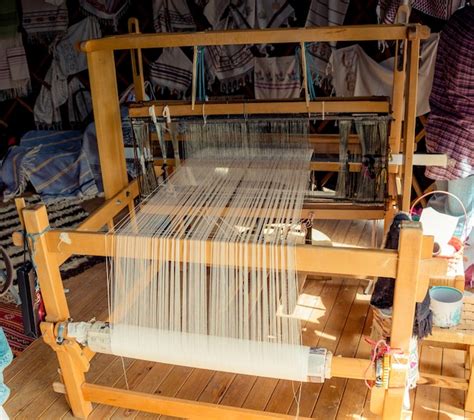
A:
{"x":309,"y":258}
{"x":319,"y":106}
{"x":410,"y":121}
{"x":172,"y":406}
{"x":47,"y":268}
{"x":107,"y":121}
{"x":255,"y":36}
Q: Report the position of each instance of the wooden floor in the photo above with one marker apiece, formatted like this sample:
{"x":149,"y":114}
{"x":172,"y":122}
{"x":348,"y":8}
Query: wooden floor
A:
{"x":335,"y":315}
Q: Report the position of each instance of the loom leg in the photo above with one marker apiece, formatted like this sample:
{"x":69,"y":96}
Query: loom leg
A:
{"x":469,"y":406}
{"x":73,"y":364}
{"x":393,"y":404}
{"x":72,"y":361}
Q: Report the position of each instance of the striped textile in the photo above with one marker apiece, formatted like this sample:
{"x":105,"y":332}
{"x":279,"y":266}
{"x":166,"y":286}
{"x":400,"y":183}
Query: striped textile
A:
{"x":54,"y":163}
{"x":323,"y":13}
{"x":172,"y":70}
{"x":277,"y":78}
{"x":172,"y":16}
{"x":108,"y":12}
{"x":440,"y":9}
{"x":42,"y":20}
{"x":450,"y":127}
{"x":14,"y":74}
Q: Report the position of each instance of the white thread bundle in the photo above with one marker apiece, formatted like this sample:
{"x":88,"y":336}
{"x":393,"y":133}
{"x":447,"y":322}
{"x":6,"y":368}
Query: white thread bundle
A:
{"x":204,"y":274}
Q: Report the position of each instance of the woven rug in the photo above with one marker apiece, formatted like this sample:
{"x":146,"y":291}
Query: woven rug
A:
{"x":12,"y":323}
{"x":63,"y":214}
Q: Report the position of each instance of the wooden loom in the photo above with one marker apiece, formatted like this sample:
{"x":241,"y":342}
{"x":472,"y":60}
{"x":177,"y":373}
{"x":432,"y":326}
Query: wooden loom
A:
{"x":412,"y":265}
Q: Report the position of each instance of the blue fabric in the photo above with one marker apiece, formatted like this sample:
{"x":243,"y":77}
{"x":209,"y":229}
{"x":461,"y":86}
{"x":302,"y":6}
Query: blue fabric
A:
{"x":55,"y":164}
{"x":6,"y":357}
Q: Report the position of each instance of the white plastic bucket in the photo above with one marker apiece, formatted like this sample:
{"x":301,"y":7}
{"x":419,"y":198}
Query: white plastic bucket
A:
{"x":446,"y":304}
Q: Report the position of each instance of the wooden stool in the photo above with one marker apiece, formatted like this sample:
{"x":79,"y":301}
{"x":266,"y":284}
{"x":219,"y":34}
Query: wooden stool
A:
{"x":459,"y":337}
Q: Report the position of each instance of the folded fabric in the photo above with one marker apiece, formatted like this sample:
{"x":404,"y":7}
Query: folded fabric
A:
{"x":54,"y":163}
{"x":67,"y":61}
{"x":441,"y":9}
{"x":354,"y":73}
{"x":14,"y":74}
{"x":277,"y":78}
{"x":109,"y":12}
{"x":42,"y":20}
{"x":8,"y":18}
{"x":172,"y":16}
{"x":172,"y":70}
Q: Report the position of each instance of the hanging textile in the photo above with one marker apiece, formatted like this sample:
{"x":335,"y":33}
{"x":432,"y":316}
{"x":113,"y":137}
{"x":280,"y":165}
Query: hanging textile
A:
{"x":42,"y":20}
{"x":108,"y":12}
{"x":450,"y":127}
{"x":277,"y":78}
{"x":440,"y":9}
{"x":320,"y":14}
{"x":354,"y":73}
{"x":233,"y":65}
{"x":67,"y":61}
{"x":14,"y":74}
{"x":8,"y":18}
{"x":172,"y":16}
{"x":172,"y":70}
{"x":255,"y":14}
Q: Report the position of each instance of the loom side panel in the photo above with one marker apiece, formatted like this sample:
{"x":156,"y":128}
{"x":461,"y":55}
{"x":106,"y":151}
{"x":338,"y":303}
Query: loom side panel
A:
{"x":103,"y":80}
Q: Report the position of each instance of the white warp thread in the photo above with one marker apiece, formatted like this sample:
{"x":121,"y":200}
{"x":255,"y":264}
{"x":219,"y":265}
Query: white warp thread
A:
{"x":196,"y":278}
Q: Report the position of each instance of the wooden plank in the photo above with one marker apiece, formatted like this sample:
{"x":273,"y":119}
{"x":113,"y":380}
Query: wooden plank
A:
{"x":452,"y":400}
{"x":108,"y":125}
{"x":315,"y":259}
{"x":150,"y":382}
{"x":169,"y":406}
{"x":427,"y":397}
{"x":134,"y":374}
{"x":256,"y":36}
{"x":410,"y":121}
{"x":322,"y":106}
{"x":333,"y":391}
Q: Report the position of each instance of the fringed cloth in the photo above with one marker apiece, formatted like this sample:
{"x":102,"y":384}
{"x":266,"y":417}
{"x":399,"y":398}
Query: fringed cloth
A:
{"x":233,"y":65}
{"x":382,"y":297}
{"x":354,"y":73}
{"x":9,"y":21}
{"x":172,"y":70}
{"x":277,"y":78}
{"x":450,"y":127}
{"x":172,"y":16}
{"x":440,"y":9}
{"x":323,"y":13}
{"x":108,"y":12}
{"x":42,"y":21}
{"x":14,"y":74}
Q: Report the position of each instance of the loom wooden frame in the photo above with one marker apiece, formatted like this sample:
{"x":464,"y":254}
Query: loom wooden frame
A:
{"x":411,"y":265}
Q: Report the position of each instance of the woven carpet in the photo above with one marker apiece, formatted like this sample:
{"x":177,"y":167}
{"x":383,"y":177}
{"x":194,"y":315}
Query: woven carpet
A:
{"x":12,"y":324}
{"x":63,"y":214}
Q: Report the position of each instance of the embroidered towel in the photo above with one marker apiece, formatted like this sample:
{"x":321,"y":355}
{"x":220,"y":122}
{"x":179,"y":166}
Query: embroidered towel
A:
{"x":43,"y":21}
{"x":108,"y":12}
{"x":172,"y":70}
{"x":14,"y":74}
{"x":276,"y":78}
